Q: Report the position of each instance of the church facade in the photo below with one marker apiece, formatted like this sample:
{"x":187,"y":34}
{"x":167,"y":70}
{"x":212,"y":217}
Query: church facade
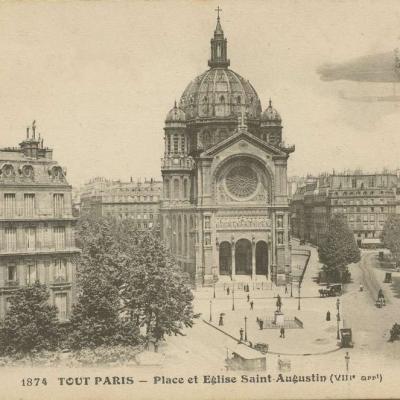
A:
{"x":224,"y":211}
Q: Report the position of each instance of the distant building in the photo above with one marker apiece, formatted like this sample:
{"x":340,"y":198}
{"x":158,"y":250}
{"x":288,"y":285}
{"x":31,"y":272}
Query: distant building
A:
{"x":136,"y":200}
{"x":364,"y":200}
{"x":36,"y":224}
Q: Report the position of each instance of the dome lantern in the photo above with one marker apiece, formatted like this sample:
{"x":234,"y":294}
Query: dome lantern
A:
{"x":271,"y":116}
{"x":175,"y":115}
{"x":219,"y":47}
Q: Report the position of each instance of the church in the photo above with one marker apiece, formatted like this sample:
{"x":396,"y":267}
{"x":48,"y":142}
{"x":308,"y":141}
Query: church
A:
{"x":224,"y":210}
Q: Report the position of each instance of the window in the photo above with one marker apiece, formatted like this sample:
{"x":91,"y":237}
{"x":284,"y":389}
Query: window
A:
{"x":182,"y":144}
{"x":30,"y":238}
{"x":207,"y":222}
{"x":12,"y":273}
{"x":29,"y":204}
{"x":169,"y":144}
{"x":60,"y":272}
{"x":59,"y":237}
{"x":11,"y":239}
{"x":176,"y":143}
{"x":60,"y":300}
{"x":58,"y":204}
{"x":185,"y":189}
{"x":31,"y":274}
{"x":176,"y":188}
{"x":9,"y":204}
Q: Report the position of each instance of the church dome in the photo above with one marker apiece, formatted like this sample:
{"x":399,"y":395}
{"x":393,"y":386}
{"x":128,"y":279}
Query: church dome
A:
{"x":271,"y":115}
{"x":220,"y":92}
{"x":176,"y":114}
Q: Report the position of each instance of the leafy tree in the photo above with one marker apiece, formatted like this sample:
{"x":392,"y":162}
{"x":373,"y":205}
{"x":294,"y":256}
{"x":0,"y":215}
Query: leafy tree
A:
{"x":30,"y":323}
{"x":338,"y":250}
{"x":127,"y":280}
{"x":391,"y":235}
{"x":96,"y":319}
{"x":156,"y":290}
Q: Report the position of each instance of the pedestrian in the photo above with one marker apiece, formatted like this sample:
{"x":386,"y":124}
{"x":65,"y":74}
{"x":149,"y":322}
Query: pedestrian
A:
{"x":278,"y":303}
{"x":347,"y":359}
{"x":227,"y":291}
{"x":286,"y":289}
{"x":241,"y":334}
{"x":282,"y":331}
{"x":251,"y":305}
{"x":261,"y":324}
{"x":248,"y":298}
{"x":361,"y":287}
{"x":328,"y":316}
{"x":221,"y":320}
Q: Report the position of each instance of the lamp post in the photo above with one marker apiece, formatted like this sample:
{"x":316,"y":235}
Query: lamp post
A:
{"x":245,"y":329}
{"x":291,"y":286}
{"x":233,"y":297}
{"x":298,"y":307}
{"x":338,"y":320}
{"x":214,"y":290}
{"x":210,"y":310}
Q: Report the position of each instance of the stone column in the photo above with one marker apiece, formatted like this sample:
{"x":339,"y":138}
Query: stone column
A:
{"x":233,"y":258}
{"x":253,"y":259}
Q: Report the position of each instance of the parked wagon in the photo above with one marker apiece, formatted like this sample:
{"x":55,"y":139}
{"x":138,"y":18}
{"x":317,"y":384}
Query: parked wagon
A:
{"x":346,"y":337}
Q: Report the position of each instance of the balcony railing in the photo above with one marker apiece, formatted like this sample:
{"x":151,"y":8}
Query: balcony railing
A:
{"x":177,"y":163}
{"x":21,"y":213}
{"x":38,"y":250}
{"x":12,"y":283}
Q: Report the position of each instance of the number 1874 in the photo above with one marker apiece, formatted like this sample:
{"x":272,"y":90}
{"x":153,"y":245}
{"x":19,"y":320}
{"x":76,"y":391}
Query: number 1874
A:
{"x":34,"y":381}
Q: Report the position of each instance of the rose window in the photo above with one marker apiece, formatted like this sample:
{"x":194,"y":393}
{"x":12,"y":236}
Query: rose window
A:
{"x":241,"y":181}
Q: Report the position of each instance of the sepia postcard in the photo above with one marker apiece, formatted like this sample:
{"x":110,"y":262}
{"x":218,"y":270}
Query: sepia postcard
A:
{"x":199,"y":199}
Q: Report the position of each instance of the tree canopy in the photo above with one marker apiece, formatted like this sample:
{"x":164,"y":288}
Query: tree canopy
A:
{"x":391,"y":235}
{"x":30,"y":323}
{"x":338,"y":249}
{"x":128,"y":281}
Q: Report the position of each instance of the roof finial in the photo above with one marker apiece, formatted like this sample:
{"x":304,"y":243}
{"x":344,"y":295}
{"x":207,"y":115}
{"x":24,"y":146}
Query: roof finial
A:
{"x":270,"y":102}
{"x":27,"y":132}
{"x":218,"y":10}
{"x":175,"y":104}
{"x":34,"y":128}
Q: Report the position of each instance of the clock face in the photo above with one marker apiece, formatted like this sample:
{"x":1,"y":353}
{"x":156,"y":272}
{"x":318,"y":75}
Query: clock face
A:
{"x":241,"y":181}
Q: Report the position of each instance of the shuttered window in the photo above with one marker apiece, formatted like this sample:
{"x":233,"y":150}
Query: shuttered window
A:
{"x":11,"y":239}
{"x":29,"y":205}
{"x":9,"y":204}
{"x":58,"y":204}
{"x":59,"y":237}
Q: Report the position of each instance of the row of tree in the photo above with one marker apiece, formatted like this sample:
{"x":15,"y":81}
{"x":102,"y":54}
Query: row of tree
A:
{"x":130,"y":291}
{"x":339,"y":248}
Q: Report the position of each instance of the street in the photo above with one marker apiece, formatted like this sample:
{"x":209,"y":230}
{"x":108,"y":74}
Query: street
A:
{"x":314,"y":346}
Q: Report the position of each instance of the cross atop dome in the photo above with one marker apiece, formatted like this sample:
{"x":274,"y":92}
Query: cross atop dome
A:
{"x":218,"y":46}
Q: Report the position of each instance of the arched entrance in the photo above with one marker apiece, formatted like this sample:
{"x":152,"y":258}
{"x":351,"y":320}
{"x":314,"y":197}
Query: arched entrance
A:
{"x":261,"y":258}
{"x":243,"y":257}
{"x":225,"y":258}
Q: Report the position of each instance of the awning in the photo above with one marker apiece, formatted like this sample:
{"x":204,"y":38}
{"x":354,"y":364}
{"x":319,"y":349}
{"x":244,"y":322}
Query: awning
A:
{"x":371,"y":241}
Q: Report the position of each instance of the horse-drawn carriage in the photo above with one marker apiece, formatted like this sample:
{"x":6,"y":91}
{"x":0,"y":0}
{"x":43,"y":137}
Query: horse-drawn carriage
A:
{"x":331,"y":290}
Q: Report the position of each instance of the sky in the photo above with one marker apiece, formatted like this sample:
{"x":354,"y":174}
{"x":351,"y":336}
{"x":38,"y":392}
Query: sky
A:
{"x":99,"y":77}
